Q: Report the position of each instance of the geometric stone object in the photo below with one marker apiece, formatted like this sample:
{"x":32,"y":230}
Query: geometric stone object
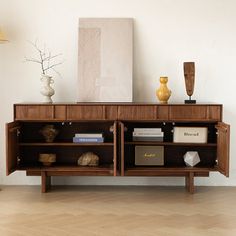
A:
{"x":88,"y":159}
{"x":191,"y":158}
{"x":105,"y":60}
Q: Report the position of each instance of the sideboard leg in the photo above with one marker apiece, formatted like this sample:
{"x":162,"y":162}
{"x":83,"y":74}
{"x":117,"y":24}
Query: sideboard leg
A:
{"x":189,"y":182}
{"x":45,"y":182}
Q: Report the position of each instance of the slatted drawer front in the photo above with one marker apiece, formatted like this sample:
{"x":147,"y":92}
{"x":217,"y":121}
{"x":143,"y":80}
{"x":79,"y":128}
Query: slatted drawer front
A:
{"x":214,"y":112}
{"x":137,"y":112}
{"x":190,"y":112}
{"x":85,"y":112}
{"x":33,"y":112}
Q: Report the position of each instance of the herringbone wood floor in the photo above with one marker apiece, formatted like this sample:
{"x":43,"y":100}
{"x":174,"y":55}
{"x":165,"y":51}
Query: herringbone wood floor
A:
{"x":117,"y":211}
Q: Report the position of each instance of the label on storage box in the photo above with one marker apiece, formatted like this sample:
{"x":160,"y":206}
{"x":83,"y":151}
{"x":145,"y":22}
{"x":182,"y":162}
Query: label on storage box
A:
{"x":149,"y":155}
{"x":190,"y":135}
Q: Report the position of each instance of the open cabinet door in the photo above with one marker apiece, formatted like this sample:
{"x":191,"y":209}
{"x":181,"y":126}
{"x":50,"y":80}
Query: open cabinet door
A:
{"x":122,"y":147}
{"x":223,"y":140}
{"x":12,"y":146}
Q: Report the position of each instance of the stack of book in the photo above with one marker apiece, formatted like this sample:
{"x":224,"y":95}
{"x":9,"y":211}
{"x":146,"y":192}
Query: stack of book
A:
{"x":148,"y":134}
{"x":88,"y":138}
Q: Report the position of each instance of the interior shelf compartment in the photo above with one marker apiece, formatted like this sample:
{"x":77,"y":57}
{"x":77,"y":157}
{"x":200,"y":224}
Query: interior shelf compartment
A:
{"x":173,"y":156}
{"x":29,"y":155}
{"x":30,"y":131}
{"x":167,"y":128}
{"x":67,"y":144}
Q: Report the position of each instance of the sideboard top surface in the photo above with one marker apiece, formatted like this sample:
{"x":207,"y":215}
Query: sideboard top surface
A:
{"x":117,"y":104}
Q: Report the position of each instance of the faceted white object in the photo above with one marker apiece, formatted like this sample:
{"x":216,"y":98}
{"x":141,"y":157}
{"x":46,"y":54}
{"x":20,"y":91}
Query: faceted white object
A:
{"x":191,"y":158}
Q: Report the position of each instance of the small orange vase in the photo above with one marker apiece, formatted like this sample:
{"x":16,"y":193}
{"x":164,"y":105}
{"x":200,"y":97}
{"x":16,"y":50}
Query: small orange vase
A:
{"x":163,"y":93}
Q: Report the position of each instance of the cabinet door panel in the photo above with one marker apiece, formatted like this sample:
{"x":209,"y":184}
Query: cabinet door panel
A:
{"x":34,"y":112}
{"x":85,"y":112}
{"x":122,"y":148}
{"x":137,"y":112}
{"x":12,"y":147}
{"x":223,"y":140}
{"x":188,"y":112}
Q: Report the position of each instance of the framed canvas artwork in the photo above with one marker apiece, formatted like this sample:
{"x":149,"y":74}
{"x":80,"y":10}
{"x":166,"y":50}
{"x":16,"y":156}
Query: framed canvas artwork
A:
{"x":105,"y":63}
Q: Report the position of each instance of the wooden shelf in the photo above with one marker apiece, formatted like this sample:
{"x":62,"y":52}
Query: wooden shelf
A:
{"x":170,"y":143}
{"x":167,"y":171}
{"x":67,"y":144}
{"x":60,"y":170}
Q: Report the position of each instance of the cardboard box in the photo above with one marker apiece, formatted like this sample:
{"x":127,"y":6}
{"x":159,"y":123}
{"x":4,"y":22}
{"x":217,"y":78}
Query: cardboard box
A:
{"x":190,"y":135}
{"x":149,"y":155}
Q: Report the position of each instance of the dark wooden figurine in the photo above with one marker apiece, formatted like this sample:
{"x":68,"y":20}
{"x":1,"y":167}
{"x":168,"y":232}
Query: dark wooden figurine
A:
{"x":189,"y":75}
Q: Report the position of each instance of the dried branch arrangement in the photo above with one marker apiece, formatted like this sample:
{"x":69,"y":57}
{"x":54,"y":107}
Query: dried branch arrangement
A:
{"x":46,"y":60}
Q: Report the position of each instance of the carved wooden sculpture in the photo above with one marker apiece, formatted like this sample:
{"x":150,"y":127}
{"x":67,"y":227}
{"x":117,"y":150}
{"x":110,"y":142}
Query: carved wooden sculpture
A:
{"x":189,"y":75}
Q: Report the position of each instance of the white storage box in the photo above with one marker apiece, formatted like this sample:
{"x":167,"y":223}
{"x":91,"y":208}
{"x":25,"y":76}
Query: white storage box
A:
{"x":190,"y":135}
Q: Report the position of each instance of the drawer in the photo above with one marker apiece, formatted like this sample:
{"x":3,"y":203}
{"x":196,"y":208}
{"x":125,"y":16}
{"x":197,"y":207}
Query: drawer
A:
{"x":85,"y":112}
{"x":111,"y":113}
{"x":214,"y":112}
{"x":34,"y":112}
{"x":60,"y":112}
{"x":188,"y":112}
{"x":137,"y":112}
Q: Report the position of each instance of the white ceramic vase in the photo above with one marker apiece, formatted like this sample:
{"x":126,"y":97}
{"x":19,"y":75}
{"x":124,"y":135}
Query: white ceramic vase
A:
{"x":46,"y":88}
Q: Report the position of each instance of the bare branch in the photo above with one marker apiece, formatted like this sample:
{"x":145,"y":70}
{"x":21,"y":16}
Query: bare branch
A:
{"x":33,"y":60}
{"x":50,"y":67}
{"x":45,"y":58}
{"x":57,"y":72}
{"x":51,"y":57}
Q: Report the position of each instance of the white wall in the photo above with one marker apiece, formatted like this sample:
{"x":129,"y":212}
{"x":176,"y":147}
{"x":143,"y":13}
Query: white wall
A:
{"x":166,"y":33}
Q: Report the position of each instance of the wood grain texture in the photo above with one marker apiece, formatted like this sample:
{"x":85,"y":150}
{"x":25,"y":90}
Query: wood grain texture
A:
{"x":34,"y":112}
{"x":214,"y":113}
{"x":118,"y":211}
{"x":162,"y":112}
{"x":122,"y":111}
{"x":189,"y":76}
{"x":189,"y":182}
{"x":136,"y":112}
{"x":223,"y":141}
{"x":12,"y":148}
{"x":111,"y":112}
{"x":60,"y":112}
{"x":85,"y":113}
{"x":193,"y":112}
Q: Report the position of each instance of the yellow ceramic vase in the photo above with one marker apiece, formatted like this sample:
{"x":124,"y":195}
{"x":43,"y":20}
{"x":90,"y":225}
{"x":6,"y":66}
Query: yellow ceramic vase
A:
{"x":163,"y":93}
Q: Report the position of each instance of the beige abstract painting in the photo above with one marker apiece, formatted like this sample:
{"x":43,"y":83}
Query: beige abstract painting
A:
{"x":105,"y":65}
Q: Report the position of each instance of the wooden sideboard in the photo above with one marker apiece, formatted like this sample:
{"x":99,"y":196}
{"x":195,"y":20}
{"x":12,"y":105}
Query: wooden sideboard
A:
{"x":117,"y":122}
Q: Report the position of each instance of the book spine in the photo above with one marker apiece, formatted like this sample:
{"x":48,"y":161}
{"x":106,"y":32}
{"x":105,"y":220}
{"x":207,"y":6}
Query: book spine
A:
{"x":161,"y":134}
{"x":147,"y":130}
{"x":87,"y":140}
{"x":88,"y":135}
{"x":160,"y":139}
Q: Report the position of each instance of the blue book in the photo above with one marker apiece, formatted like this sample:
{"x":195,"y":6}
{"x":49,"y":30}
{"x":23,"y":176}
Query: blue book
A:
{"x":87,"y":140}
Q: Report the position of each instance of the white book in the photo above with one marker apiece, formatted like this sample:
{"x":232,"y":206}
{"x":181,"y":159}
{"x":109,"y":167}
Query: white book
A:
{"x":143,"y":134}
{"x":149,"y":130}
{"x":89,"y":135}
